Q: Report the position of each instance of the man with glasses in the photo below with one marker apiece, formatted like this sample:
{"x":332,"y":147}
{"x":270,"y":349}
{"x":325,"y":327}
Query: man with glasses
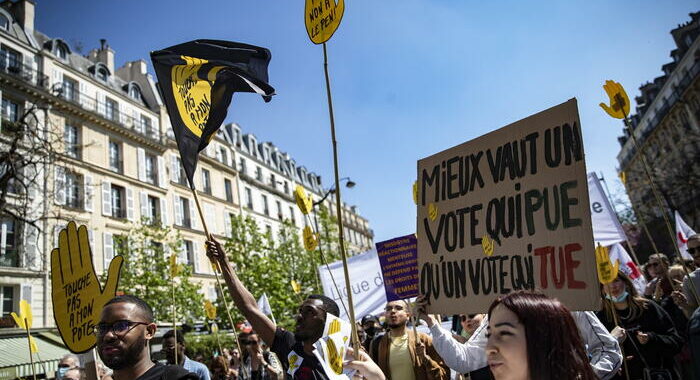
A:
{"x":402,"y":355}
{"x":125,"y":328}
{"x":173,"y":348}
{"x":295,"y":350}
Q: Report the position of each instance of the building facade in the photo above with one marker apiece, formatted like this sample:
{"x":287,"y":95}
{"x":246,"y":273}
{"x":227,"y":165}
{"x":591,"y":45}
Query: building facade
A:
{"x":666,"y":126}
{"x":116,"y":163}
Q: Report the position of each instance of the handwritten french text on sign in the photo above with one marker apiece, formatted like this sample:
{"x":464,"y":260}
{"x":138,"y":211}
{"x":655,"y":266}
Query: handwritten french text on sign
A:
{"x":322,"y":18}
{"x":524,"y":187}
{"x":76,"y":293}
{"x":398,"y":258}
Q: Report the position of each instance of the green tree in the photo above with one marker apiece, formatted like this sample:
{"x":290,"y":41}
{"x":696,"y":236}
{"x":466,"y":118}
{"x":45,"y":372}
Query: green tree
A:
{"x":146,"y":272}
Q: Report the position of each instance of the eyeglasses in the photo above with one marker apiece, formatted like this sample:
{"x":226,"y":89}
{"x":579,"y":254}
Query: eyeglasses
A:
{"x":394,"y":307}
{"x":119,"y":328}
{"x":693,"y":250}
{"x":653,"y":264}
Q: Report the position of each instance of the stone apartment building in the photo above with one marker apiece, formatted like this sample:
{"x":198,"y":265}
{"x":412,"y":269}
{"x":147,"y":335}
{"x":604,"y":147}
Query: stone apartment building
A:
{"x":667,"y":126}
{"x":118,"y":163}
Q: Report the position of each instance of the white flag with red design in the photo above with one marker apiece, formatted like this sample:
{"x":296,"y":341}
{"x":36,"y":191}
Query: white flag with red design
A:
{"x":618,"y":252}
{"x":683,"y":230}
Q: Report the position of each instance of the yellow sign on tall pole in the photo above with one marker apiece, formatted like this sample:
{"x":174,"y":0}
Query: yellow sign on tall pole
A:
{"x":322,"y":18}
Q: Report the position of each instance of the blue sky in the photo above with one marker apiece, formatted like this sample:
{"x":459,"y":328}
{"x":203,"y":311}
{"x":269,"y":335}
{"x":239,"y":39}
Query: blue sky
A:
{"x":409,"y":78}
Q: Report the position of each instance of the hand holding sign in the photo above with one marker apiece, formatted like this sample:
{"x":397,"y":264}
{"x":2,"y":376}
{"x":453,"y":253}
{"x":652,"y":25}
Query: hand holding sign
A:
{"x":619,"y":102}
{"x":76,"y":293}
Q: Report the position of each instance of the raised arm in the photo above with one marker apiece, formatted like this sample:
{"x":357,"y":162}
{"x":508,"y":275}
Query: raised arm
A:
{"x":245,"y":302}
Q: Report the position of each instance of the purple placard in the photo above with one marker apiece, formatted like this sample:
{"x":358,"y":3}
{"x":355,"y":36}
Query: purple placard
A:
{"x":398,"y":258}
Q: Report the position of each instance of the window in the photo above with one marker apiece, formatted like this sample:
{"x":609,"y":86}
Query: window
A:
{"x":268,"y":230}
{"x":118,"y":202}
{"x":279,"y":210}
{"x":258,"y":173}
{"x":146,"y":126}
{"x":248,"y":198}
{"x":70,"y":89}
{"x":101,"y":74}
{"x":61,"y":52}
{"x":7,"y":299}
{"x":224,"y":155}
{"x":273,"y":181}
{"x":242,"y":165}
{"x":206,"y":181}
{"x":10,"y":110}
{"x":266,"y":208}
{"x":4,"y":22}
{"x":10,"y":59}
{"x":228,"y":189}
{"x":185,"y":206}
{"x":73,"y":183}
{"x":111,"y":109}
{"x":154,"y":209}
{"x":286,"y":187}
{"x":189,"y":252}
{"x":151,"y":168}
{"x":292,"y":216}
{"x":134,"y":92}
{"x":115,"y":156}
{"x":8,"y":252}
{"x":70,"y":137}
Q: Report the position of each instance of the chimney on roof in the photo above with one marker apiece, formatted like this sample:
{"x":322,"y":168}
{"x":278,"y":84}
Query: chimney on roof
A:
{"x":24,"y":10}
{"x":106,"y":55}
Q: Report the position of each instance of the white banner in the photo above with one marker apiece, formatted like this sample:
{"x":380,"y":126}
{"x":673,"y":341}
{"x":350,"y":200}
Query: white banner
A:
{"x":618,"y":253}
{"x":365,"y":280}
{"x":606,"y":228}
{"x":683,"y":231}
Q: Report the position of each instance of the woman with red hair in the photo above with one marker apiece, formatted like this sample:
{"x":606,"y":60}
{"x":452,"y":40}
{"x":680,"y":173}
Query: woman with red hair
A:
{"x":531,"y":336}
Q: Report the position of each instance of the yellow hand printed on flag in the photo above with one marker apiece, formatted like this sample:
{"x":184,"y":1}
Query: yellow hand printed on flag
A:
{"x":619,"y":102}
{"x":335,"y":356}
{"x":607,"y":273}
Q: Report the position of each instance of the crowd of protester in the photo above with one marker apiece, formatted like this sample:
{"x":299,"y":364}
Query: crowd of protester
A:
{"x":524,"y":335}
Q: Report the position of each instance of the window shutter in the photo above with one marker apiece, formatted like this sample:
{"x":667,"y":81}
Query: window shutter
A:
{"x":108,"y":248}
{"x":130,"y":204}
{"x":88,"y":192}
{"x":193,"y":214}
{"x":57,"y":79}
{"x":60,"y":184}
{"x":82,"y":97}
{"x":178,"y":210}
{"x":91,"y":241}
{"x":145,"y":210}
{"x":141,"y":157}
{"x":3,"y":238}
{"x":210,"y":216}
{"x":182,"y":255}
{"x":101,"y":106}
{"x":161,"y":172}
{"x":138,"y":125}
{"x":195,"y":256}
{"x":30,"y":240}
{"x":106,"y":198}
{"x":227,"y":224}
{"x":175,"y":168}
{"x":218,"y":154}
{"x":164,"y":212}
{"x":25,"y":293}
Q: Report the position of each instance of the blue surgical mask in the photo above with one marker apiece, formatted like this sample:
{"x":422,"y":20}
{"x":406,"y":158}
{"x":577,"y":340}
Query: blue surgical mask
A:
{"x":621,"y":298}
{"x":61,"y":371}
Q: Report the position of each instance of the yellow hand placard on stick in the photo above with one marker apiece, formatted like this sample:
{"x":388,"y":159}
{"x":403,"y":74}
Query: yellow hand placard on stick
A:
{"x":210,"y":309}
{"x":296,"y":287}
{"x":322,"y":18}
{"x":310,"y":240}
{"x":304,"y":202}
{"x":619,"y":102}
{"x":607,"y":273}
{"x":76,"y":293}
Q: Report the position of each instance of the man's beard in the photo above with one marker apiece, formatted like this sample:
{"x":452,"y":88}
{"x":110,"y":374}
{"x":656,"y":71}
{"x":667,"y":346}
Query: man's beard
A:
{"x":394,"y":326}
{"x":128,"y":357}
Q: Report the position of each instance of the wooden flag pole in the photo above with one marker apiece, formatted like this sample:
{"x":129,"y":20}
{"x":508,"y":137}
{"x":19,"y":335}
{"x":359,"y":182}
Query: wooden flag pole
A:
{"x":339,"y":211}
{"x":29,"y":342}
{"x":657,"y":197}
{"x":172,"y":283}
{"x":228,"y":312}
{"x":640,"y":218}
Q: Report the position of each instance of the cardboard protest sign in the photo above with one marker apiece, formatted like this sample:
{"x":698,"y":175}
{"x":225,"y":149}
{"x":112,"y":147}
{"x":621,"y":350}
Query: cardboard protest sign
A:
{"x":398,"y":258}
{"x":322,"y":18}
{"x":76,"y":293}
{"x":510,"y":210}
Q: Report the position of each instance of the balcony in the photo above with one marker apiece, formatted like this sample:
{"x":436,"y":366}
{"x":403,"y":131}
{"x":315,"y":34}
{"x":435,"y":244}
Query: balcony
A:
{"x":26,"y":74}
{"x":106,"y":110}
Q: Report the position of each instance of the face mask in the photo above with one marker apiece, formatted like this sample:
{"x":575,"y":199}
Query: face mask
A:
{"x":621,"y":298}
{"x":61,"y":371}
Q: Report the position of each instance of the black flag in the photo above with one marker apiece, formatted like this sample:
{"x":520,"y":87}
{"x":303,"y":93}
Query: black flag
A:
{"x":197,"y":80}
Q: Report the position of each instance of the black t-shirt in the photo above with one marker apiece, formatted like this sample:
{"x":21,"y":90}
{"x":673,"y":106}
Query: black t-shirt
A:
{"x":167,"y":372}
{"x":309,"y":369}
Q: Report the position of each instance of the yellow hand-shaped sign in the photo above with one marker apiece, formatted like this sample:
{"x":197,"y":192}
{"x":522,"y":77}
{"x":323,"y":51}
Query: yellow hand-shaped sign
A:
{"x":487,"y":245}
{"x":415,"y":192}
{"x":607,"y":273}
{"x":432,"y":211}
{"x":174,"y":266}
{"x":310,"y":240}
{"x":619,"y":102}
{"x":335,"y":357}
{"x":322,"y":18}
{"x":623,"y":178}
{"x":25,"y":319}
{"x":296,"y":287}
{"x":210,"y":309}
{"x":76,"y":293}
{"x":304,"y":202}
